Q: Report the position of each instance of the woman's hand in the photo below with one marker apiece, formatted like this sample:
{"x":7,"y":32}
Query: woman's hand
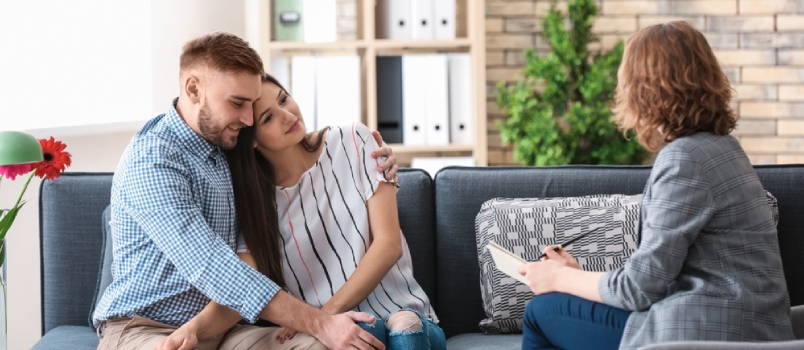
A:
{"x":284,"y":334}
{"x":390,"y":164}
{"x":543,"y":275}
{"x":561,"y":257}
{"x":184,"y":338}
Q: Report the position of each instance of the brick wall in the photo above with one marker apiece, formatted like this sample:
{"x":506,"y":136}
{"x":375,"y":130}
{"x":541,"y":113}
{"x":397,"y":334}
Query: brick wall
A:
{"x":760,"y":45}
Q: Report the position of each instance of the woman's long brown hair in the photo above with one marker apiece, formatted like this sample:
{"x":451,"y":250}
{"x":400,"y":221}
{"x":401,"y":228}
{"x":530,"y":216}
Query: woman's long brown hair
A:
{"x":253,"y":182}
{"x":670,"y":79}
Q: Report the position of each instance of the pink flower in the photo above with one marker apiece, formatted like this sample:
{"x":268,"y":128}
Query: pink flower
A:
{"x":12,"y":171}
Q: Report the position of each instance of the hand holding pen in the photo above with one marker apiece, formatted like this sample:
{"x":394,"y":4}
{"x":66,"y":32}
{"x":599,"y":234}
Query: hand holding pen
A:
{"x":555,"y":265}
{"x":561,"y":246}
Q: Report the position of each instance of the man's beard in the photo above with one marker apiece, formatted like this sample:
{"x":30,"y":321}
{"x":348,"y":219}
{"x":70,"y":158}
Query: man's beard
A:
{"x":211,"y":132}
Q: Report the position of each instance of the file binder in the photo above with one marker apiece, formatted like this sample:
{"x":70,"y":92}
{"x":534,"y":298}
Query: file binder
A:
{"x":337,"y":90}
{"x":288,"y":21}
{"x":436,"y":99}
{"x":303,"y":89}
{"x":444,"y":23}
{"x":280,"y":69}
{"x":389,"y":98}
{"x":461,"y":103}
{"x":393,"y":19}
{"x":422,"y":17}
{"x":413,"y":105}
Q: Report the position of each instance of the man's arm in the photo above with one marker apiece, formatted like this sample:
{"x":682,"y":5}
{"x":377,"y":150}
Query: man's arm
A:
{"x":335,"y":332}
{"x":158,"y":195}
{"x":213,"y":320}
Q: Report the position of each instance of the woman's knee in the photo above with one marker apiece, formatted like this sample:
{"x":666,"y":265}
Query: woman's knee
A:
{"x":376,"y":328}
{"x":404,"y":321}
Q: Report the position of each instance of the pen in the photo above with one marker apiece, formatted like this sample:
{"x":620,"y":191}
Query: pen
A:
{"x":563,"y":245}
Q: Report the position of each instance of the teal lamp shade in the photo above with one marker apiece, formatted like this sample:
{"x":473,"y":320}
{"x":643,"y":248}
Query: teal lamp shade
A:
{"x":17,"y":147}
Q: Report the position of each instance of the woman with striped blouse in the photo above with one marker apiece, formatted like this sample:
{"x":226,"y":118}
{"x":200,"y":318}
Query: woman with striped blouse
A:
{"x":319,"y":219}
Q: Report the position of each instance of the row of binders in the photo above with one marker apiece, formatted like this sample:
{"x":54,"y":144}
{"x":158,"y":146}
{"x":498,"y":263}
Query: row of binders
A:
{"x":415,"y":19}
{"x":315,"y":21}
{"x":425,"y":99}
{"x":421,"y":99}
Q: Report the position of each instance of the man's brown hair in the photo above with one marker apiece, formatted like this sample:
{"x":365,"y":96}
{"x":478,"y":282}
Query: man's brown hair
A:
{"x":670,"y":80}
{"x":222,"y":52}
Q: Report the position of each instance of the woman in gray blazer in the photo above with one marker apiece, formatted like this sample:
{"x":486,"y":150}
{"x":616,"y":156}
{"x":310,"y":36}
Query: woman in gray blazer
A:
{"x":708,"y":265}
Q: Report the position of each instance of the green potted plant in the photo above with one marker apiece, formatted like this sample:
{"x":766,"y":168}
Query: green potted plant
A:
{"x":568,"y":120}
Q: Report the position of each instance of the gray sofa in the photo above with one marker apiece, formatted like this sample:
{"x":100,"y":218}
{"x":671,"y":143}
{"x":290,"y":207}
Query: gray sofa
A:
{"x":437,"y":218}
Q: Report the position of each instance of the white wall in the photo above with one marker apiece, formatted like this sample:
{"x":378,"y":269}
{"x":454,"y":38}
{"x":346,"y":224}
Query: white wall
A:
{"x":74,"y":62}
{"x":87,"y":62}
{"x":89,"y":73}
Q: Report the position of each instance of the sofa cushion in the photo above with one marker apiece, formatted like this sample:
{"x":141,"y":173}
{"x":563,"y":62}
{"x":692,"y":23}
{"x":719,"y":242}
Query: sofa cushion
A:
{"x":416,"y":220}
{"x":71,"y":238}
{"x":481,"y":341}
{"x":105,"y":275}
{"x":525,"y":226}
{"x":459,"y":194}
{"x":785,"y":183}
{"x":68,"y":337}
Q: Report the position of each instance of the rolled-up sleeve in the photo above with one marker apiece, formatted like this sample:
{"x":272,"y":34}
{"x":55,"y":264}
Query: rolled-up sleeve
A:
{"x":159,"y":197}
{"x":679,"y":204}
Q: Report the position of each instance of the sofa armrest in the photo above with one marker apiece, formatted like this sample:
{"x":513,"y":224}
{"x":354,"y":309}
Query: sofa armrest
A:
{"x":797,"y":319}
{"x":724,"y":345}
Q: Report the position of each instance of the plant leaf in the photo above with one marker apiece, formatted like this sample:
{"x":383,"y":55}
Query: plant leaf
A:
{"x":8,"y":219}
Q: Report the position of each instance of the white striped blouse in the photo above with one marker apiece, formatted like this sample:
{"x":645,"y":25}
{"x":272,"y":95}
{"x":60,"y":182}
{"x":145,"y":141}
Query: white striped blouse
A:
{"x":324,"y":224}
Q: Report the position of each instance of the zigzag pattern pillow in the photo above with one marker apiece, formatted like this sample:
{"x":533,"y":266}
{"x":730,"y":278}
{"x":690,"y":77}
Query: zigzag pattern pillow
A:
{"x":527,"y":226}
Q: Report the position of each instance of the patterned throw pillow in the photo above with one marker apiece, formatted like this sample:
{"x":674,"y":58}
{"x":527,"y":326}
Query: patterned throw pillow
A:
{"x":527,"y":226}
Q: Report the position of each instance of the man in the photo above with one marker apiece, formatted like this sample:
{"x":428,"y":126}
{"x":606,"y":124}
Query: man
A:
{"x":174,"y":225}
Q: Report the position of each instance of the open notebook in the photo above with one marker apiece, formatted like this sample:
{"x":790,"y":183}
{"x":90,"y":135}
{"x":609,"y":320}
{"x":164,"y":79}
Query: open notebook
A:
{"x":506,"y":261}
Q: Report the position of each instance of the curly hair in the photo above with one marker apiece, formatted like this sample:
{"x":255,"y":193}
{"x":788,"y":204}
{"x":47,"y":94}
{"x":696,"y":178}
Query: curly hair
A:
{"x":670,"y":85}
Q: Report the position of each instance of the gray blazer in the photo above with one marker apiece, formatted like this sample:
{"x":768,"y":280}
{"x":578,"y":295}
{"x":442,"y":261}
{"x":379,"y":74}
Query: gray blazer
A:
{"x":708,"y":264}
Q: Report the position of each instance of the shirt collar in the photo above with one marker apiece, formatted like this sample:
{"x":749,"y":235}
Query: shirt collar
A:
{"x":186,"y":135}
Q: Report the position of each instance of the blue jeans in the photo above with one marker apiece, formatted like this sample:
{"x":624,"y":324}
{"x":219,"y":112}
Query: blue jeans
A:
{"x":429,"y":337}
{"x":563,"y":321}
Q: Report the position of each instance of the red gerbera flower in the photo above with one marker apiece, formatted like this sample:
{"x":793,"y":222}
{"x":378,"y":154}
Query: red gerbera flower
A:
{"x":56,"y":160}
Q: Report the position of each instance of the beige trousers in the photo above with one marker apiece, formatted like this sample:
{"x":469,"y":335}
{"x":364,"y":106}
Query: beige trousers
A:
{"x":142,"y":333}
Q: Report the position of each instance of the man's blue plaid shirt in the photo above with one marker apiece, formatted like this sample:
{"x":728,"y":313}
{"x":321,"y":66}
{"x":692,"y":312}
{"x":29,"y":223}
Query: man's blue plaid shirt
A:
{"x":174,"y":231}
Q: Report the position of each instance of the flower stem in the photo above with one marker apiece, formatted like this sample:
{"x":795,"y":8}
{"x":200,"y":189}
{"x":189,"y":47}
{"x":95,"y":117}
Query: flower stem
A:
{"x":24,"y":188}
{"x":5,"y":304}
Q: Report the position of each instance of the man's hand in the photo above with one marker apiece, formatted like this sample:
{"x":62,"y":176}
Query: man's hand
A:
{"x":341,"y":332}
{"x":390,"y":163}
{"x":184,"y":338}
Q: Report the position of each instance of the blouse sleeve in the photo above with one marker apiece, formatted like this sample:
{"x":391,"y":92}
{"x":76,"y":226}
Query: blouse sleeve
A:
{"x":364,"y":166}
{"x":678,"y":206}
